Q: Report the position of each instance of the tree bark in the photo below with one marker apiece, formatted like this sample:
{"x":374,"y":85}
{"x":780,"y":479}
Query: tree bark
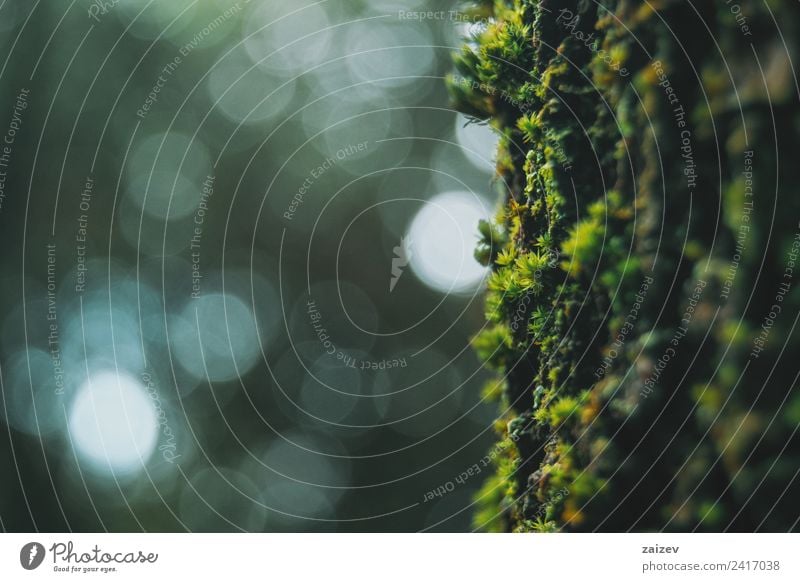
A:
{"x":642,"y":305}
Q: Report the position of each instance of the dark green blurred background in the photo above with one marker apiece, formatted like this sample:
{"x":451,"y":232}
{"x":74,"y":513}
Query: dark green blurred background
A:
{"x":202,"y":207}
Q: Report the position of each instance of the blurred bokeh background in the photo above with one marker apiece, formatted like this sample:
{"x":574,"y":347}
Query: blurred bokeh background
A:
{"x":237,"y":270}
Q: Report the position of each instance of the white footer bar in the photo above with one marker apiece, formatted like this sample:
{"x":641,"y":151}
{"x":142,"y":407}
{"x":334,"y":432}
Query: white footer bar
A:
{"x":401,"y":557}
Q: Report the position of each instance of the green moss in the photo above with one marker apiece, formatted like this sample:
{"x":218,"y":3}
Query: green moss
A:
{"x":596,"y":202}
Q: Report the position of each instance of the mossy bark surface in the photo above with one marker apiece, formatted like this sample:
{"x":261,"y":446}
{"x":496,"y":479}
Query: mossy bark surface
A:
{"x":648,"y":231}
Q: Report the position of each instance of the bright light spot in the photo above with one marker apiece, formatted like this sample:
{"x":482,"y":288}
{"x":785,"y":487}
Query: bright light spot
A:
{"x":385,"y":53}
{"x":113,"y":423}
{"x":442,"y":239}
{"x":478,"y":143}
{"x":240,"y":92}
{"x":303,"y":458}
{"x":291,"y":498}
{"x":157,"y":196}
{"x":293,"y":33}
{"x":103,"y":330}
{"x":341,"y":125}
{"x":467,"y":32}
{"x":215,"y":334}
{"x":170,"y":153}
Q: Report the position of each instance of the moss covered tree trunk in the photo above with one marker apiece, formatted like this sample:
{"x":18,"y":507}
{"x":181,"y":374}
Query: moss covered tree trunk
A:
{"x":644,"y":294}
